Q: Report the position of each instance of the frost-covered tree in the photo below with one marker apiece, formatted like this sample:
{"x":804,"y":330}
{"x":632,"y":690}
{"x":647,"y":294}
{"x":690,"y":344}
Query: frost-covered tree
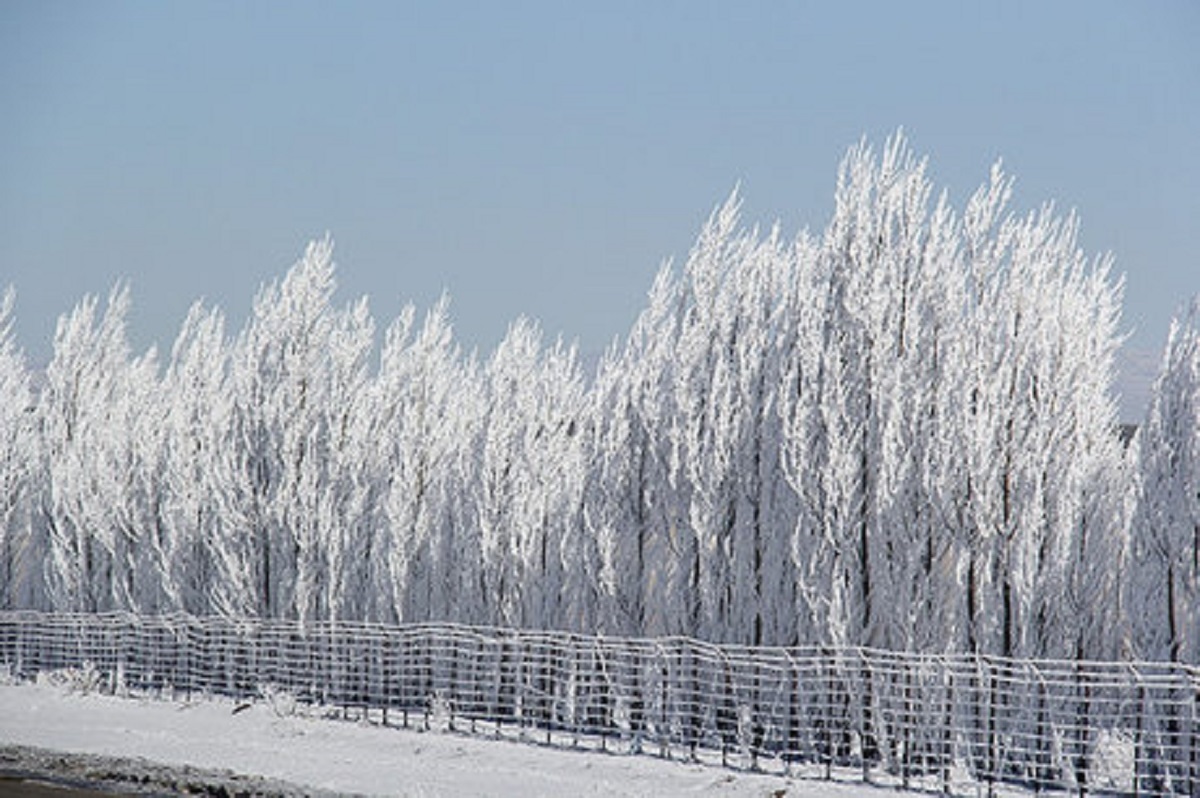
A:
{"x":283,"y":378}
{"x":343,"y":506}
{"x":1040,"y":424}
{"x":96,"y":501}
{"x":871,"y":319}
{"x":564,"y":560}
{"x":422,"y":427}
{"x":198,"y":467}
{"x":503,"y":481}
{"x":891,"y":312}
{"x":460,"y":555}
{"x":708,"y":414}
{"x":819,"y":615}
{"x":1164,"y":587}
{"x":630,"y":508}
{"x":947,"y":440}
{"x":1088,"y":470}
{"x":530,"y":489}
{"x":132,"y":484}
{"x":20,"y":549}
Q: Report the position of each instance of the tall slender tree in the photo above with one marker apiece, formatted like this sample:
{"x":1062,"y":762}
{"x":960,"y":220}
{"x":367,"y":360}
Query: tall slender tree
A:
{"x":20,"y":549}
{"x":1164,"y":587}
{"x":198,"y":464}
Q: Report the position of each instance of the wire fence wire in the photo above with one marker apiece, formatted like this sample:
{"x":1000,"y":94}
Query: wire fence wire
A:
{"x":944,"y":723}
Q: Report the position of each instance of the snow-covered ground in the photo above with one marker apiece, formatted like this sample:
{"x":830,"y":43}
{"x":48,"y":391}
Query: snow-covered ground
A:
{"x":296,"y":745}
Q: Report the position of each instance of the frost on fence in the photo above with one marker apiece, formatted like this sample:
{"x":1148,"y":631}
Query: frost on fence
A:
{"x":934,"y":722}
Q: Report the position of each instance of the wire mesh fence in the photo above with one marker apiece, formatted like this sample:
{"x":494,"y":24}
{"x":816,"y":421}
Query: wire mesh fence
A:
{"x":945,"y":723}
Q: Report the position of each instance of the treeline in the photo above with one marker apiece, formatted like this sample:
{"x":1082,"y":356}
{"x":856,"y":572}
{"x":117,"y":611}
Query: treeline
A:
{"x":899,"y":432}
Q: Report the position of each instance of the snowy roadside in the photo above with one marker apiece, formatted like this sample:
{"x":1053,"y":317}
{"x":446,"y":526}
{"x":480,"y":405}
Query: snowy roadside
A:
{"x":216,"y":739}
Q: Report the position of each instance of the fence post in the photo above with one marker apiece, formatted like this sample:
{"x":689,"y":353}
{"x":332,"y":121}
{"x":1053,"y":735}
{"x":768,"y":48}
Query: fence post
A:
{"x":1083,"y":692}
{"x":908,"y":717}
{"x":425,"y":691}
{"x":599,"y":694}
{"x":865,"y":722}
{"x":947,"y":746}
{"x":990,"y":756}
{"x":389,"y":671}
{"x":523,"y":679}
{"x":19,"y":647}
{"x":495,"y":711}
{"x":726,"y":712}
{"x":116,"y":653}
{"x":690,"y":696}
{"x":1139,"y":742}
{"x":1193,"y":775}
{"x":637,"y":700}
{"x":757,"y":724}
{"x":664,"y":740}
{"x":178,"y":660}
{"x":825,"y":711}
{"x":546,"y":685}
{"x":458,"y":700}
{"x":982,"y":723}
{"x":1042,"y":757}
{"x":792,"y":745}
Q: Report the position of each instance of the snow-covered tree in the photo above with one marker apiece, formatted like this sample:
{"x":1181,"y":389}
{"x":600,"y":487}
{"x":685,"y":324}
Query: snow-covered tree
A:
{"x":1041,"y":422}
{"x":891,"y":311}
{"x":1164,"y":587}
{"x":629,"y":505}
{"x":705,"y":429}
{"x":947,"y":442}
{"x":20,"y":552}
{"x":529,"y":494}
{"x":343,"y":506}
{"x":198,"y":468}
{"x":422,"y":426}
{"x":282,"y":379}
{"x":95,"y":505}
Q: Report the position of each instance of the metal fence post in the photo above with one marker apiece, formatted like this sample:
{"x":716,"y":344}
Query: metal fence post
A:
{"x":947,"y":741}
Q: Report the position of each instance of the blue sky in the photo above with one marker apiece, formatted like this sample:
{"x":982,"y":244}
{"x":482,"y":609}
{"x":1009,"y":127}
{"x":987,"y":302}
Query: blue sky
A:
{"x":544,"y":158}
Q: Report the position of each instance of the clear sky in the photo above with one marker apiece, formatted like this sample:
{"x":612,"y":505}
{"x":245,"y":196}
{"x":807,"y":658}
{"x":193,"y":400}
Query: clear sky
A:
{"x":544,"y":158}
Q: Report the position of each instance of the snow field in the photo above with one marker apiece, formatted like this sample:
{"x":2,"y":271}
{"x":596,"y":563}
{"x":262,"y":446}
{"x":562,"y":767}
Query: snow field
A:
{"x":301,"y":746}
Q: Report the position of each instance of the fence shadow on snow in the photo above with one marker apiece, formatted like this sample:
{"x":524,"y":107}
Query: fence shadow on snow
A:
{"x":941,"y":723}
